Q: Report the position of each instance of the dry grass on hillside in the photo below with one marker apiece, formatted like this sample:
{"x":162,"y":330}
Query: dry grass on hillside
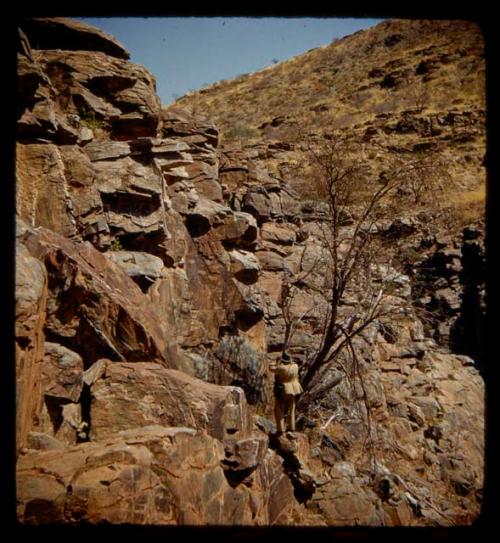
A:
{"x":402,"y":91}
{"x":392,"y":67}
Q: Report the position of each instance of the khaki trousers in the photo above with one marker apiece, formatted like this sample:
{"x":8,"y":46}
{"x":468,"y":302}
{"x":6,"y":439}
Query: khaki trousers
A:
{"x":284,"y":412}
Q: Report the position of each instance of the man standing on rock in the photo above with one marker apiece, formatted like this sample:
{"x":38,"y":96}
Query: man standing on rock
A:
{"x":286,"y":388}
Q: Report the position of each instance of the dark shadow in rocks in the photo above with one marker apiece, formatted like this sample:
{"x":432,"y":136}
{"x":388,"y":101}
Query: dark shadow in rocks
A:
{"x":55,"y":410}
{"x":236,"y":477}
{"x":467,"y":332}
{"x":197,"y":225}
{"x":85,"y":403}
{"x":152,"y":243}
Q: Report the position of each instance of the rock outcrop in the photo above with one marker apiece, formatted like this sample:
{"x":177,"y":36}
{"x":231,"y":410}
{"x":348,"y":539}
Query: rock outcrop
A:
{"x":31,"y":302}
{"x":68,"y":34}
{"x":152,"y":475}
{"x":151,"y":268}
{"x":93,"y":306}
{"x":128,"y":395}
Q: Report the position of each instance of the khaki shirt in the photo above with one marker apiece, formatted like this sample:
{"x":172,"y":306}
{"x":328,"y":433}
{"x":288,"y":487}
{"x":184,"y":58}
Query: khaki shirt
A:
{"x":288,"y":374}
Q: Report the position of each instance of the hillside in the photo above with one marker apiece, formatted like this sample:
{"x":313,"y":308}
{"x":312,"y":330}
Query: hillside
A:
{"x":396,"y":66}
{"x":161,"y":274}
{"x":401,"y":87}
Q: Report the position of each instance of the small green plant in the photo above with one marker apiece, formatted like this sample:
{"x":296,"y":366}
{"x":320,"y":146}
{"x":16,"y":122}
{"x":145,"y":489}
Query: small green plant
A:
{"x":90,"y":120}
{"x":116,"y":245}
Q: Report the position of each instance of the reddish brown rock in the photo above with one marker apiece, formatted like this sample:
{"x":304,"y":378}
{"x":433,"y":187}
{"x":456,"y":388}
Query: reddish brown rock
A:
{"x":36,"y":116}
{"x":94,"y":307}
{"x":244,"y":266}
{"x":380,"y":445}
{"x":62,"y":421}
{"x":152,"y":475}
{"x":256,"y":201}
{"x":279,"y":234}
{"x":143,"y":268}
{"x":202,"y":297}
{"x":125,"y":480}
{"x":62,"y":383}
{"x":188,"y":316}
{"x":62,"y":373}
{"x":86,"y":202}
{"x":180,"y":123}
{"x":271,"y":261}
{"x":346,"y":503}
{"x":56,"y":189}
{"x":31,"y":299}
{"x":43,"y":442}
{"x":131,"y":395}
{"x":42,"y":196}
{"x":244,"y":455}
{"x":103,"y":91}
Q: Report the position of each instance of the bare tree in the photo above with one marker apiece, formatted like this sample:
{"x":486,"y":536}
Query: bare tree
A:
{"x":345,"y":181}
{"x":356,"y":275}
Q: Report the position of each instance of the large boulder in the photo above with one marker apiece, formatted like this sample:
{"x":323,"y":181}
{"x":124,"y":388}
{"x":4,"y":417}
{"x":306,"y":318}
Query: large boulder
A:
{"x":86,"y":207}
{"x":56,"y":189}
{"x":62,"y":373}
{"x":142,"y":267}
{"x":278,"y":234}
{"x":134,"y":180}
{"x":202,"y":296}
{"x":42,"y":196}
{"x":178,"y":122}
{"x":244,"y":265}
{"x":345,"y":502}
{"x":62,"y":385}
{"x":152,"y":475}
{"x":130,"y":395}
{"x":72,"y":96}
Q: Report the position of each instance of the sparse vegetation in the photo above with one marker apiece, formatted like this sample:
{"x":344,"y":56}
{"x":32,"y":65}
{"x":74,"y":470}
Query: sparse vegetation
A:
{"x":391,"y":151}
{"x":301,"y":82}
{"x":90,"y":120}
{"x":469,"y":206}
{"x":241,"y":132}
{"x":116,"y":245}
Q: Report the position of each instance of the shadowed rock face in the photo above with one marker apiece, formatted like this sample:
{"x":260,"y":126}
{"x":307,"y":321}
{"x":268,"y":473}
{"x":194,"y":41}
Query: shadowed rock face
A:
{"x":101,"y":89}
{"x":149,"y":277}
{"x":61,"y":33}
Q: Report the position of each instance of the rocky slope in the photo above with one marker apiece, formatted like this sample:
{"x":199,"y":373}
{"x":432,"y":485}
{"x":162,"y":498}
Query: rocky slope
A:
{"x":150,"y":263}
{"x":401,"y":88}
{"x":403,"y":92}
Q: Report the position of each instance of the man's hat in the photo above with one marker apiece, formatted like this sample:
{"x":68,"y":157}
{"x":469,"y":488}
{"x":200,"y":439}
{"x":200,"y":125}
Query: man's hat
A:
{"x":285,"y":357}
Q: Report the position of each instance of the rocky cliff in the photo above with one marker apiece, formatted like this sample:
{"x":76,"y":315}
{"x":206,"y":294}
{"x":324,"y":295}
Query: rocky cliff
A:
{"x":411,"y":91}
{"x":150,"y":261}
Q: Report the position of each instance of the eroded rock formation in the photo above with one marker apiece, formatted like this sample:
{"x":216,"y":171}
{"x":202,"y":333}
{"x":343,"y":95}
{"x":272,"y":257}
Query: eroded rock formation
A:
{"x":150,"y":265}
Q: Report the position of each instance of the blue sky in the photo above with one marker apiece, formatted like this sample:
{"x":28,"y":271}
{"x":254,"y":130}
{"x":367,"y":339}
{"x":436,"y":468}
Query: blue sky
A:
{"x":185,"y":53}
